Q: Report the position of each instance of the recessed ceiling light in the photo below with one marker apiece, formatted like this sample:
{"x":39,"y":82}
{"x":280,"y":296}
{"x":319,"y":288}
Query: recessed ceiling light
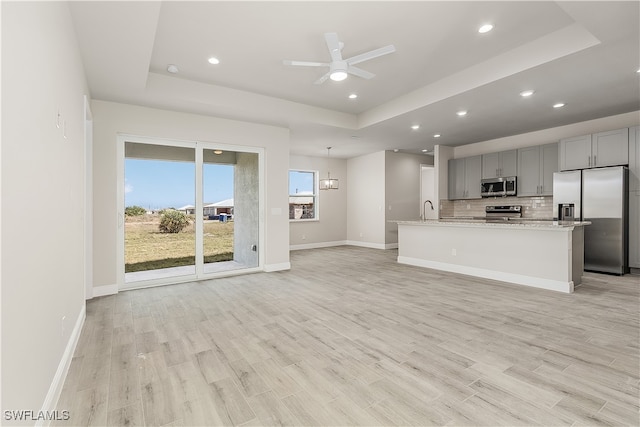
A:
{"x":395,"y":150}
{"x":213,"y":60}
{"x":415,"y":127}
{"x":485,"y":28}
{"x":461,"y":113}
{"x":353,"y":96}
{"x":526,"y":93}
{"x":217,"y":152}
{"x":173,"y":69}
{"x":437,"y":135}
{"x":558,"y":105}
{"x":425,"y":151}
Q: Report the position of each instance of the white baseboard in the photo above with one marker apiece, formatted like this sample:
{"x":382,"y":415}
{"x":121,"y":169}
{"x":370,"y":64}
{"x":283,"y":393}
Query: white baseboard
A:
{"x":269,"y":268}
{"x":372,"y":245}
{"x":100,"y":291}
{"x":51,"y":400}
{"x":317,"y":245}
{"x":536,"y":282}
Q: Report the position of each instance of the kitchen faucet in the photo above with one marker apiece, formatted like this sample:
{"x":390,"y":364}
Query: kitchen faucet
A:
{"x":424,"y":209}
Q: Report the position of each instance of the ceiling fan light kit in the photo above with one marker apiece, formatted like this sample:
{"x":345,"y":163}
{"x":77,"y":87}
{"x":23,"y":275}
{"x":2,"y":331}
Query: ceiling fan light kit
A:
{"x":339,"y":68}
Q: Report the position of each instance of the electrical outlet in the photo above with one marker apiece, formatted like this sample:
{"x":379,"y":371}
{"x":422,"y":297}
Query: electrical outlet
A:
{"x":304,"y":237}
{"x":454,"y":252}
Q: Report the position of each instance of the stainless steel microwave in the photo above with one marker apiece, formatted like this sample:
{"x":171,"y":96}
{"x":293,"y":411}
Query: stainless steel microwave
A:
{"x":498,"y":187}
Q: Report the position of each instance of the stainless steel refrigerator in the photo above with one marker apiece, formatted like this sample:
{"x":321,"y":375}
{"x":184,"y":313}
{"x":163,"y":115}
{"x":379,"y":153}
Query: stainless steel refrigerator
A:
{"x":600,"y":196}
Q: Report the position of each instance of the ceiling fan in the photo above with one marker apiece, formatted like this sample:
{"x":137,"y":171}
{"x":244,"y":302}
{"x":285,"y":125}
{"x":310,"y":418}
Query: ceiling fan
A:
{"x":340,"y":68}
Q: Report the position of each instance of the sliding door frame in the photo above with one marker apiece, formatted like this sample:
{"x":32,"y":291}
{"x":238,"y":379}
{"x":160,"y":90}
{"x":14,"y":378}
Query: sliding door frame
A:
{"x":199,"y":147}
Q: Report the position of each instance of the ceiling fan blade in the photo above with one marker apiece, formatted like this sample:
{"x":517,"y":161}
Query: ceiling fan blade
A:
{"x":360,"y":72}
{"x":322,"y":79}
{"x":370,"y":55}
{"x":305,"y":63}
{"x":333,"y":44}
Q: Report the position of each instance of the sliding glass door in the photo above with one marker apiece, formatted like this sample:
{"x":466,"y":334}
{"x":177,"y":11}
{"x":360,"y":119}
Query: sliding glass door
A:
{"x":159,"y":226}
{"x":191,"y":210}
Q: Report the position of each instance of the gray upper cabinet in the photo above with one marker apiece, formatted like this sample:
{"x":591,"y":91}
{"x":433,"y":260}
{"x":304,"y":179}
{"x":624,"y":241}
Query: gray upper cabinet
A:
{"x":601,"y":149}
{"x":550,"y":165}
{"x":456,"y":179}
{"x":536,"y":166}
{"x":575,"y":153}
{"x":464,"y":178}
{"x":610,"y":148}
{"x":473,"y":174}
{"x":499,"y":164}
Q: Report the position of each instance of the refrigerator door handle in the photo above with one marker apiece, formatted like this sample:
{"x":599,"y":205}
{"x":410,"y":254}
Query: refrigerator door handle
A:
{"x":589,"y":161}
{"x":594,"y":160}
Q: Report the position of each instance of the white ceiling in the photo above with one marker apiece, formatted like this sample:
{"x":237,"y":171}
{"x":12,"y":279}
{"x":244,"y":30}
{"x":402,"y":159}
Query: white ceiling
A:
{"x":584,"y":54}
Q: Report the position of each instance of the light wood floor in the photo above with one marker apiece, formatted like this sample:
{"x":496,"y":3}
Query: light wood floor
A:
{"x":349,"y":337}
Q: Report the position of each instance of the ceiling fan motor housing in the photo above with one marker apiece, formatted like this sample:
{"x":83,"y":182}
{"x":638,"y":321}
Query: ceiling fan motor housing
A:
{"x":338,"y":70}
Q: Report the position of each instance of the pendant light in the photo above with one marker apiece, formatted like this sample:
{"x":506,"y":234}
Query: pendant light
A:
{"x":329,"y":183}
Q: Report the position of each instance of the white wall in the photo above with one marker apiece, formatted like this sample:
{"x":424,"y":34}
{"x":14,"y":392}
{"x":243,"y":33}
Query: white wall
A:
{"x":402,"y":190}
{"x":331,"y":228}
{"x":42,"y":200}
{"x":110,"y":119}
{"x":366,"y":200}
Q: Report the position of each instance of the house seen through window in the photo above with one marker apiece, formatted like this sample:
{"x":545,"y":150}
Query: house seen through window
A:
{"x":303,"y":191}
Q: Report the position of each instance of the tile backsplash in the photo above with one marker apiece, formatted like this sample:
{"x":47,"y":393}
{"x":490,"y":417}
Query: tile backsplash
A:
{"x":532,"y":207}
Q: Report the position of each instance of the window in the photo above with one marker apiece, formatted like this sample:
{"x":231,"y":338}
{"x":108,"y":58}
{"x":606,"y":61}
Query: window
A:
{"x":303,"y":191}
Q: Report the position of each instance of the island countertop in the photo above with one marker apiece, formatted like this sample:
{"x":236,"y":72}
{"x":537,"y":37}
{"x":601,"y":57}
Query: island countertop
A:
{"x":511,"y":224}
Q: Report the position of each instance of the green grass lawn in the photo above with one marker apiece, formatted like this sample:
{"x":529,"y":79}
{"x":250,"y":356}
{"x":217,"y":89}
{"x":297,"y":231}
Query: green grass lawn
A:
{"x":146,"y":248}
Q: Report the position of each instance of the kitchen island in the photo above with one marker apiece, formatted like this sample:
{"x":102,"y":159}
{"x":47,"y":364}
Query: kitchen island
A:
{"x":543,"y":254}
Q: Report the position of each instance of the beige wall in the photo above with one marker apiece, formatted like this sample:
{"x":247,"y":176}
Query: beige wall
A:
{"x":366,"y":200}
{"x":402,"y":190}
{"x":331,"y":228}
{"x":111,"y":119}
{"x":42,"y":250}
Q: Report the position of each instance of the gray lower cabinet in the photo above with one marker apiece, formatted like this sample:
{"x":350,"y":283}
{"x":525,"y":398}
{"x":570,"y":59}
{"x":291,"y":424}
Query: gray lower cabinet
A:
{"x":499,"y":164}
{"x":536,"y":166}
{"x":464,"y":178}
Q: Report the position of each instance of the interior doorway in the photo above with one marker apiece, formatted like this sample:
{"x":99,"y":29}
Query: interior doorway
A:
{"x":190,"y":210}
